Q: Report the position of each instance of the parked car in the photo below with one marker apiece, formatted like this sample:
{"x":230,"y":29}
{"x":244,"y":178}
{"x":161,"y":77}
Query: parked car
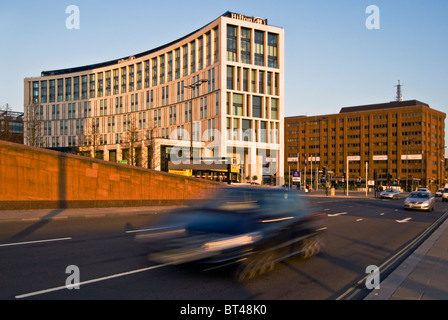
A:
{"x":249,"y":228}
{"x":390,"y":194}
{"x":445,"y":195}
{"x":439,"y":192}
{"x":420,"y":200}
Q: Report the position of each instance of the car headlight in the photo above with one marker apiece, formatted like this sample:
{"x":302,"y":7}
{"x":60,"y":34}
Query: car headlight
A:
{"x":232,"y":242}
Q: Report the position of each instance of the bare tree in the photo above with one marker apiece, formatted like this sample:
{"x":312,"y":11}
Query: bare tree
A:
{"x":89,"y":138}
{"x":33,"y":124}
{"x":131,"y":138}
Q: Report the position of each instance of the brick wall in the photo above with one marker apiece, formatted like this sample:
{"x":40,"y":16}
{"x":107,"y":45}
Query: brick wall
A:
{"x":37,"y":178}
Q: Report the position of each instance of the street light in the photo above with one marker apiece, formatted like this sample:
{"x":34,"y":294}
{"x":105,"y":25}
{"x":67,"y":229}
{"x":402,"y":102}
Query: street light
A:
{"x":407,"y":160}
{"x":438,"y":165}
{"x":193,"y":86}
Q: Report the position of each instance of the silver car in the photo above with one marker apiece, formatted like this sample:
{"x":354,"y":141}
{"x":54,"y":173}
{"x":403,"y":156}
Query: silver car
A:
{"x":420,"y":200}
{"x":390,"y":194}
{"x":445,"y":195}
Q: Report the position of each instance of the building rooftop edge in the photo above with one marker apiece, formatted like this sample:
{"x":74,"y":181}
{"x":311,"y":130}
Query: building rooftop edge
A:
{"x":57,"y":72}
{"x":372,"y":107}
{"x":117,"y":61}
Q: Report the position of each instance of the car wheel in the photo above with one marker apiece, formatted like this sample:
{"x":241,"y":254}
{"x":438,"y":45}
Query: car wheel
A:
{"x":253,"y":265}
{"x":311,"y":247}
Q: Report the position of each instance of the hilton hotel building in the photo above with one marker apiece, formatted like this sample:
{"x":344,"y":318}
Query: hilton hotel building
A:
{"x":400,"y":143}
{"x":222,"y":85}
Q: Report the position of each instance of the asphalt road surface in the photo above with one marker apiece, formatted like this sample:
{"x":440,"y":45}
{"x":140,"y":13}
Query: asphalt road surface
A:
{"x":38,"y":259}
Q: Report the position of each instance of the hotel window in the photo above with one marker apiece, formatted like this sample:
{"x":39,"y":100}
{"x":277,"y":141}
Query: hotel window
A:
{"x":263,"y":131}
{"x":245,"y":46}
{"x":269,"y":82}
{"x":60,"y":90}
{"x":236,"y":129}
{"x":201,"y":53}
{"x":272,"y":50}
{"x":231,"y":43}
{"x":100,"y":84}
{"x":253,"y":79}
{"x":131,"y":78}
{"x":237,"y":104}
{"x":108,"y":83}
{"x":162,"y":69}
{"x":116,"y":82}
{"x":43,"y":91}
{"x":207,"y":49}
{"x":146,"y":73}
{"x":259,"y":48}
{"x":123,"y":80}
{"x":185,"y":60}
{"x":247,"y":129}
{"x":193,"y":57}
{"x":68,"y":89}
{"x":139,"y":76}
{"x":230,"y":77}
{"x":256,"y":107}
{"x":215,"y":44}
{"x":177,"y":63}
{"x":52,"y":91}
{"x":245,"y":79}
{"x":154,"y":72}
{"x":35,"y":91}
{"x":92,"y":86}
{"x":261,"y":82}
{"x":274,"y":109}
{"x":170,"y":66}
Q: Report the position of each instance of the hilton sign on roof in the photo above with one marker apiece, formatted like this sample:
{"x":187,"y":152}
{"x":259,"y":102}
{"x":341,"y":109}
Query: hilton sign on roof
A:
{"x":246,"y":18}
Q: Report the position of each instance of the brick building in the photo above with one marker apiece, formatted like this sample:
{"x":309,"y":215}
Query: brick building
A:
{"x":400,"y":143}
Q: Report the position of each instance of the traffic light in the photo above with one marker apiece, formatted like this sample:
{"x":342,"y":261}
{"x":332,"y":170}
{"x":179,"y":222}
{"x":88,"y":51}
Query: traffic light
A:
{"x":324,"y":171}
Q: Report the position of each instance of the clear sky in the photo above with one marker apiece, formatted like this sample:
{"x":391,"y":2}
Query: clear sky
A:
{"x":332,"y":59}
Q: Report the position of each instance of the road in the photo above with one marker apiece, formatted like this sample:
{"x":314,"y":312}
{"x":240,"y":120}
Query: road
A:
{"x":34,"y":257}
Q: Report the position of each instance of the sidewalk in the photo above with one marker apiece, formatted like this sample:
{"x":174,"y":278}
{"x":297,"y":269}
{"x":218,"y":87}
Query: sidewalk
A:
{"x":56,"y":214}
{"x":423,"y":275}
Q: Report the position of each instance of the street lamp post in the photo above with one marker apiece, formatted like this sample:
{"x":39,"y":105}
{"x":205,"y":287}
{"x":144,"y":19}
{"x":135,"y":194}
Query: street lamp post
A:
{"x":193,"y":86}
{"x":439,"y":166}
{"x":407,"y":161}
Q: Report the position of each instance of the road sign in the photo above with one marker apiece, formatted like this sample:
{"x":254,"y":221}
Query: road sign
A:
{"x":296,"y":176}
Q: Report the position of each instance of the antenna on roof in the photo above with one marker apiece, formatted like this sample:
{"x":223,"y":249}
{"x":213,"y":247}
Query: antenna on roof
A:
{"x":399,"y":96}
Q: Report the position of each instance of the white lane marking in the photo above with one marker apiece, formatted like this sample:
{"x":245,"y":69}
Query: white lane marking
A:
{"x":35,"y":293}
{"x":404,"y":220}
{"x":360,"y":219}
{"x":337,"y":214}
{"x":32,"y":242}
{"x":149,"y":229}
{"x":382,"y":214}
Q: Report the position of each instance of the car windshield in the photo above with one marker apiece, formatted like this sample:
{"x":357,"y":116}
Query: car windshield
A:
{"x":445,"y":190}
{"x":253,"y":200}
{"x":424,"y":195}
{"x":389,"y":190}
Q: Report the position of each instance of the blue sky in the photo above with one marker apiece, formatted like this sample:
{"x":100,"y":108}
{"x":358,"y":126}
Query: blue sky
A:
{"x":332,"y":59}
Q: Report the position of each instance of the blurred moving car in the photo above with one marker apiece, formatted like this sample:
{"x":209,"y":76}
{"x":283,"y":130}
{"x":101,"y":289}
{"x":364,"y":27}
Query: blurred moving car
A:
{"x":390,"y":194}
{"x":439,"y":192}
{"x":249,"y":228}
{"x":424,"y":190}
{"x":420,"y":200}
{"x":445,"y":195}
